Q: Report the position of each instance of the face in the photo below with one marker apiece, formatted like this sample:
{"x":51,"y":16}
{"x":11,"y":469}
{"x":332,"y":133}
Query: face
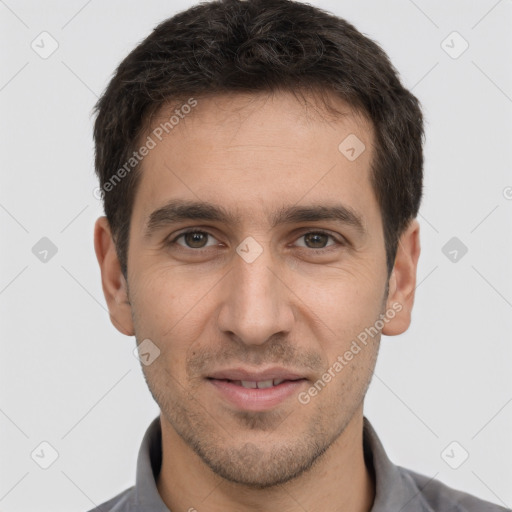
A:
{"x":256,"y":255}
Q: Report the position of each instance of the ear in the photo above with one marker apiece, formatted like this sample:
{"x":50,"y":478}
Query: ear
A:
{"x":402,"y":282}
{"x":113,"y":282}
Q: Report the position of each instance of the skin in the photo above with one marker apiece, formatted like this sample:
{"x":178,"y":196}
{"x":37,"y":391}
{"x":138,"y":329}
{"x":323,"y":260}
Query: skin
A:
{"x":294,"y":306}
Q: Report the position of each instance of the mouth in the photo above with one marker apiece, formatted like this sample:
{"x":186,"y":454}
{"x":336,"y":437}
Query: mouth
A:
{"x":252,"y":392}
{"x":255,"y":384}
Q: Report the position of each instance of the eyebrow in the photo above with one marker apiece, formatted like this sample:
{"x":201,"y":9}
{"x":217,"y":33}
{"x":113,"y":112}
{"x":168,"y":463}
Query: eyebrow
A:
{"x":179,"y":210}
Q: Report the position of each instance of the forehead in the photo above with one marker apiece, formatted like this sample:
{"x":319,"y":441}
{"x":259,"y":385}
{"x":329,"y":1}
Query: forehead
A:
{"x":256,"y":153}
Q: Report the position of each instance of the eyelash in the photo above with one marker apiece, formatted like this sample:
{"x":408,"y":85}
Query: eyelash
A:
{"x":310,"y":249}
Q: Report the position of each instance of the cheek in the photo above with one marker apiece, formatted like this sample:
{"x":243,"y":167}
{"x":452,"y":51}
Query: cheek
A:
{"x":165,"y":298}
{"x":169,"y":316}
{"x":341,"y":303}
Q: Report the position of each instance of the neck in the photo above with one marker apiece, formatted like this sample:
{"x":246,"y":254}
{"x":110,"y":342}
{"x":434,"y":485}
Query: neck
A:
{"x":339,"y":480}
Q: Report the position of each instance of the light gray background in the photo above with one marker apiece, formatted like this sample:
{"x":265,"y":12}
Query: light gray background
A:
{"x":69,"y":378}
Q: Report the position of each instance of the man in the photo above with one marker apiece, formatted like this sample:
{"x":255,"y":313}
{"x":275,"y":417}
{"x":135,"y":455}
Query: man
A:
{"x":261,"y":170}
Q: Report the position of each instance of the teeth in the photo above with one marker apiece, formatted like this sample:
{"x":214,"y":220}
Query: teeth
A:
{"x":248,"y":384}
{"x":262,"y":384}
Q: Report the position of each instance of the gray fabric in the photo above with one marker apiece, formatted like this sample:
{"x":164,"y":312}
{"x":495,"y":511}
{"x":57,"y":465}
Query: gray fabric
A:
{"x":398,"y":489}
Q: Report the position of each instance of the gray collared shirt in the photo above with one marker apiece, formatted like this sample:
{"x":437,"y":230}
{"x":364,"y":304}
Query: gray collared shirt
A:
{"x":397,"y":489}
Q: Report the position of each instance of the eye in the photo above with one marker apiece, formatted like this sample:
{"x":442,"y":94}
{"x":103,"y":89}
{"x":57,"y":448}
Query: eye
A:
{"x":194,"y":239}
{"x":317,"y":240}
{"x":197,"y":239}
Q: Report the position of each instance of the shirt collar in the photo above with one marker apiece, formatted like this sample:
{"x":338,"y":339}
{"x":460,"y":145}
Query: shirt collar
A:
{"x":149,"y":462}
{"x":395,"y":489}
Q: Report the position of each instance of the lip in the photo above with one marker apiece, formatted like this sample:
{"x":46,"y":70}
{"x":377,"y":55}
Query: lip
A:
{"x":274,"y":372}
{"x":256,"y":399}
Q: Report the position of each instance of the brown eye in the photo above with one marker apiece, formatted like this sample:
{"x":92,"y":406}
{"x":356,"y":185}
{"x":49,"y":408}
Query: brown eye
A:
{"x":316,"y":240}
{"x":194,"y":239}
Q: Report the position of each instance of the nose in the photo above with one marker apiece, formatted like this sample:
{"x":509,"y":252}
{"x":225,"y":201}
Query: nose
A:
{"x":257,"y":302}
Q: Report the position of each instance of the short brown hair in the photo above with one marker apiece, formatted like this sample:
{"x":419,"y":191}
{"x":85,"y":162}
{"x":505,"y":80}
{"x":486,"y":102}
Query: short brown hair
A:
{"x":229,"y":46}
